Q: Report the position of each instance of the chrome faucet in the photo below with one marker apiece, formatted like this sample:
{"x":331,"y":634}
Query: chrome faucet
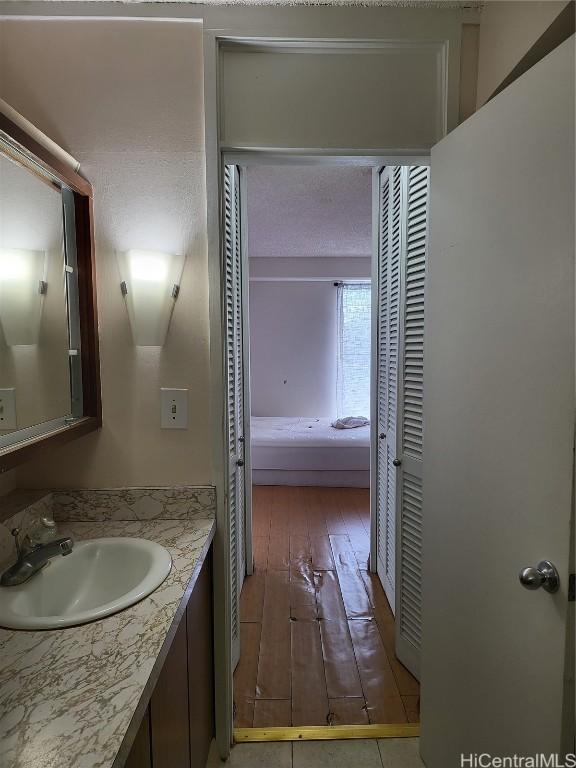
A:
{"x":31,"y":558}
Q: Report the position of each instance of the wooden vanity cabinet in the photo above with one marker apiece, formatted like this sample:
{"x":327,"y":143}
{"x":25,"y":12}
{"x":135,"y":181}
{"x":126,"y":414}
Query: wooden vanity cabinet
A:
{"x":140,"y":755}
{"x":179,"y":723}
{"x":201,"y":667}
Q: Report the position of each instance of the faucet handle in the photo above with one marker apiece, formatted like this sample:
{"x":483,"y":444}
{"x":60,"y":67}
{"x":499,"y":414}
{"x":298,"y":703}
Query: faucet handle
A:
{"x":16,"y":533}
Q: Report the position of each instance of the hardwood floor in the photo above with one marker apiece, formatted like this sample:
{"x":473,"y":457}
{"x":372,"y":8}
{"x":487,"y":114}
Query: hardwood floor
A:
{"x":317,"y":634}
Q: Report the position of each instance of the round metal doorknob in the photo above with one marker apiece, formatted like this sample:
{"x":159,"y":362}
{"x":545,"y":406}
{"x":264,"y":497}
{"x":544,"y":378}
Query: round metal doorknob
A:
{"x":240,"y":463}
{"x":544,"y":575}
{"x":382,"y":435}
{"x":397,"y":462}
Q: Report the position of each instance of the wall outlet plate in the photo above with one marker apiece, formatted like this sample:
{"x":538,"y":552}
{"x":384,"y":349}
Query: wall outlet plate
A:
{"x":173,"y":408}
{"x":8,"y":409}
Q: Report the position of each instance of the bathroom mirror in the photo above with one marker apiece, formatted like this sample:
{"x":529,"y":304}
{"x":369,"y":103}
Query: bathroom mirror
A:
{"x":49,"y":386}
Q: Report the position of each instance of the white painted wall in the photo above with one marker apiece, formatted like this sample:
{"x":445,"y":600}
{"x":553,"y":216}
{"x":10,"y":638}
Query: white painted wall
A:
{"x":309,"y":268}
{"x":293,"y":348}
{"x":508,"y":29}
{"x":126,"y":99}
{"x":398,"y":95}
{"x":400,"y":105}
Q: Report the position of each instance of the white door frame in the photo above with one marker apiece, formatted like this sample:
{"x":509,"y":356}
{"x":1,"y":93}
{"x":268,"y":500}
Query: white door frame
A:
{"x":244,"y":158}
{"x":216,"y":35}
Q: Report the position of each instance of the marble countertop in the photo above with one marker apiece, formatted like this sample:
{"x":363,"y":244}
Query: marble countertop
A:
{"x":68,"y":697}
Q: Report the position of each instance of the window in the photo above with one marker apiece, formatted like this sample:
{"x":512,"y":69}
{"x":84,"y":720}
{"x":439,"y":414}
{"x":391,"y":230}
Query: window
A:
{"x":353,"y":370}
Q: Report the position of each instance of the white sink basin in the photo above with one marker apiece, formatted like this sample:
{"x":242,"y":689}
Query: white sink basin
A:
{"x":98,"y":578}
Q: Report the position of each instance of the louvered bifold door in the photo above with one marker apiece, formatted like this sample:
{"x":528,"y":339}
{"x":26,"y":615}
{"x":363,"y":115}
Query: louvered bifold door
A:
{"x":235,"y":395}
{"x":411,"y":421}
{"x":388,"y":343}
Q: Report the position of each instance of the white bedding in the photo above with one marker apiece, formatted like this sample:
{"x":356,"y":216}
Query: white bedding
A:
{"x":299,"y":430}
{"x":299,"y":443}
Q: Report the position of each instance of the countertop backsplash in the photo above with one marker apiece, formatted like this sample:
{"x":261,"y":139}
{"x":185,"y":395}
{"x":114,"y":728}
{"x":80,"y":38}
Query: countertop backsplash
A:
{"x":21,"y":508}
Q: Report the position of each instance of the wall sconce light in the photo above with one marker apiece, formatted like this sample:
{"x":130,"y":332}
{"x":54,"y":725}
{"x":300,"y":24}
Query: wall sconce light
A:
{"x":22,"y":290}
{"x":150,"y":285}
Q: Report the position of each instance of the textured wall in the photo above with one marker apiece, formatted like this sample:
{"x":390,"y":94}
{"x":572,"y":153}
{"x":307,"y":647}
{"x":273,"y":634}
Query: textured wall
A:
{"x":507,"y":32}
{"x":293,"y":348}
{"x":126,"y":99}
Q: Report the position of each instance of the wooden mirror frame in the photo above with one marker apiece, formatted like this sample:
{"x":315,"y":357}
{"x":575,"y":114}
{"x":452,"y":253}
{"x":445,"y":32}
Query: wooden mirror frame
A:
{"x":91,"y":420}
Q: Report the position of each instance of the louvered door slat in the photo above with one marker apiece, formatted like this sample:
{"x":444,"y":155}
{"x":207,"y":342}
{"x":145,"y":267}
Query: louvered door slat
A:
{"x":411,"y":420}
{"x":235,"y":395}
{"x":382,"y":368}
{"x":392,"y":374}
{"x":388,"y":357}
{"x":402,"y":246}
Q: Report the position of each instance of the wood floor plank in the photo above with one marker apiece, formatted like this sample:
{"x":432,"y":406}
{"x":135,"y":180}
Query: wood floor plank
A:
{"x":406,"y":682}
{"x":378,"y":683}
{"x":273,"y":680}
{"x":332,"y":514}
{"x":377,"y":597}
{"x":328,"y":596}
{"x":363,"y":559}
{"x":342,"y":678}
{"x":299,"y":548}
{"x":361,"y":501}
{"x":412,"y":707}
{"x":279,"y":552}
{"x":252,"y":597}
{"x":348,"y":711}
{"x":351,"y":584}
{"x":302,"y":586}
{"x":321,"y":553}
{"x":355,"y":526}
{"x":279,"y":512}
{"x":272,"y":713}
{"x":260,"y":549}
{"x":244,"y":713}
{"x":309,"y":697}
{"x":360,"y":544}
{"x":302,"y":593}
{"x":261,"y":509}
{"x":246,"y":674}
{"x":315,"y":503}
{"x":298,"y":518}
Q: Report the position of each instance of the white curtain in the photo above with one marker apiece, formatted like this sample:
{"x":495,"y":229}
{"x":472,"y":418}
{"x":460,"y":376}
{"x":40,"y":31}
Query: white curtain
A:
{"x":353,"y":371}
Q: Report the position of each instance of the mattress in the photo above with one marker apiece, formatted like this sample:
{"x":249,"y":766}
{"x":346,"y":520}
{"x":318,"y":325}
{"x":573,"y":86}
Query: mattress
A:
{"x":296,"y":443}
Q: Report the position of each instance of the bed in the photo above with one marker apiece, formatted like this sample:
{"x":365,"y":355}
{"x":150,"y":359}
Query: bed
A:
{"x":308,"y":451}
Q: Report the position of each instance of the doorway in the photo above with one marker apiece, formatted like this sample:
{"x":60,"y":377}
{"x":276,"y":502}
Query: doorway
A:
{"x":485,"y":522}
{"x":316,"y":636}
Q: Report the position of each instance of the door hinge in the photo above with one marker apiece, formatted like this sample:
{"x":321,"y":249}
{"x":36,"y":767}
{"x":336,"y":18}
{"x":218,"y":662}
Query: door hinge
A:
{"x":571,"y":587}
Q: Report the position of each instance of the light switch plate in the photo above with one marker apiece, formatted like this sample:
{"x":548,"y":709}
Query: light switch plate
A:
{"x":173,"y":408}
{"x":8,"y":409}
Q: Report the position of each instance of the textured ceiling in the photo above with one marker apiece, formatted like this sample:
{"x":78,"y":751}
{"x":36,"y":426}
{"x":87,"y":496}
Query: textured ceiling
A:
{"x":364,"y":3}
{"x":309,"y":211}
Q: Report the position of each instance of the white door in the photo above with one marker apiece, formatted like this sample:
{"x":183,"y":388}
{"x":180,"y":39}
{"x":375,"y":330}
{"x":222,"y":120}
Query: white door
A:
{"x":499,"y":407}
{"x":403,"y":194}
{"x":410,"y":420}
{"x":233,"y":290}
{"x":387,"y":296}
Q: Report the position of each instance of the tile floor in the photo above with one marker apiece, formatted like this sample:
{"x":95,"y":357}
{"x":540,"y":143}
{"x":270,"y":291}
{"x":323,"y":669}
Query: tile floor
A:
{"x":353,"y":753}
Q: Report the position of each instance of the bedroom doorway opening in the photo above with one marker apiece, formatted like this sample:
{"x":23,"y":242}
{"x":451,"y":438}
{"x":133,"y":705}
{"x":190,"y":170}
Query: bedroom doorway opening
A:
{"x":316,"y":637}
